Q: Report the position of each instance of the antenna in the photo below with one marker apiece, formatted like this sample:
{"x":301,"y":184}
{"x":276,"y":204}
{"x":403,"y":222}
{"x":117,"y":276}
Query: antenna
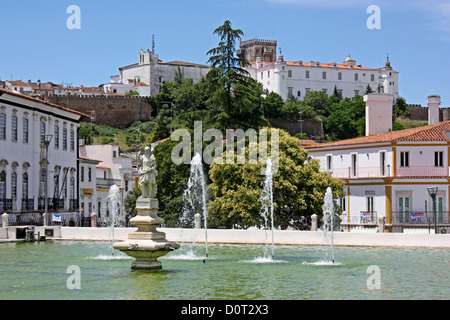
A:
{"x":153,"y":44}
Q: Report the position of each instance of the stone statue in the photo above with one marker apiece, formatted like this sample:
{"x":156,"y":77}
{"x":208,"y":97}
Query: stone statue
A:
{"x":147,"y":174}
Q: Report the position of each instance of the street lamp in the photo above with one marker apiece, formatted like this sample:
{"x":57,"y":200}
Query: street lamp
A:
{"x":45,"y":141}
{"x":433,"y":191}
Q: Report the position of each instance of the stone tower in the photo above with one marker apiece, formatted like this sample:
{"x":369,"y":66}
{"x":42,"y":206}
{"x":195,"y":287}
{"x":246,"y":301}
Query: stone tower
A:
{"x":258,"y":48}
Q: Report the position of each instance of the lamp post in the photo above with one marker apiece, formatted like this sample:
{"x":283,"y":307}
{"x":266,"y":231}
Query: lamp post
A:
{"x":433,"y":191}
{"x":45,"y":141}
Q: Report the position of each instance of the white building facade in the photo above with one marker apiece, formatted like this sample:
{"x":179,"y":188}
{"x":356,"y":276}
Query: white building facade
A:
{"x":153,"y":72}
{"x":295,"y":79}
{"x":388,"y":175}
{"x":34,"y":177}
{"x":109,"y":168}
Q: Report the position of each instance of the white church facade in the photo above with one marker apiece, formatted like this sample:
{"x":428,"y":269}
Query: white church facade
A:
{"x":152,"y":72}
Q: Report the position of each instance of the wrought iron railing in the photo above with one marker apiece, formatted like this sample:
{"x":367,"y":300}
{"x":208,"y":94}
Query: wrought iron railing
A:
{"x":387,"y":171}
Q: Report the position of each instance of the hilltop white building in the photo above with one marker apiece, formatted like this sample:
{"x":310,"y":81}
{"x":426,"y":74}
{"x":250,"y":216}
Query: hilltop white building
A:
{"x":387,"y":173}
{"x":296,"y":78}
{"x":152,"y":72}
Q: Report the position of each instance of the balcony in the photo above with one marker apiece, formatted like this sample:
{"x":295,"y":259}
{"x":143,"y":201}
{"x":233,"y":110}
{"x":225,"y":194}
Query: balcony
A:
{"x":27,"y":204}
{"x":387,"y":172}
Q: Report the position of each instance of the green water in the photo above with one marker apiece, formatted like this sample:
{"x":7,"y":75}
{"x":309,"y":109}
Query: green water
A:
{"x":39,"y":271}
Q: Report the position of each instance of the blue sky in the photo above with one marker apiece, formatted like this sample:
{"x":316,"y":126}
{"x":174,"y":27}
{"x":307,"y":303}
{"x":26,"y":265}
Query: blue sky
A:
{"x":36,"y":43}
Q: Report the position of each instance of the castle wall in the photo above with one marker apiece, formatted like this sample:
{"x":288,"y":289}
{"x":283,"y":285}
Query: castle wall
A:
{"x":115,"y":111}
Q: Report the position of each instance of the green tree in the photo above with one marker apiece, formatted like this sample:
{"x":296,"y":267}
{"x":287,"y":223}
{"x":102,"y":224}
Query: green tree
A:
{"x":234,"y":97}
{"x":368,"y":89}
{"x":299,"y":189}
{"x":272,"y":105}
{"x":319,"y":101}
{"x":346,"y":119}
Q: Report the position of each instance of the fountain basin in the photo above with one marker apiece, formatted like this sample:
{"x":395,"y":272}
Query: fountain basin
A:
{"x":146,"y":252}
{"x":147,"y":244}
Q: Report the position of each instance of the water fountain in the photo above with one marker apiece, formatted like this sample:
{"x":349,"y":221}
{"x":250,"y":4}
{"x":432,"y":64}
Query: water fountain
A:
{"x":147,"y":244}
{"x":194,"y":198}
{"x":328,"y":218}
{"x":267,"y":207}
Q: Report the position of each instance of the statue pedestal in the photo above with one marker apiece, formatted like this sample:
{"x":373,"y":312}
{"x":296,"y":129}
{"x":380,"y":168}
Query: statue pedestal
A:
{"x":147,"y":244}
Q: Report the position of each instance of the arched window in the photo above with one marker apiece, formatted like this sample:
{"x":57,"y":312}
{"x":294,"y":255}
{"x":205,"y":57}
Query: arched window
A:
{"x":14,"y":185}
{"x":2,"y":126}
{"x":13,"y":128}
{"x":42,"y":132}
{"x":2,"y":185}
{"x":25,"y":130}
{"x":25,"y":186}
{"x":72,"y":188}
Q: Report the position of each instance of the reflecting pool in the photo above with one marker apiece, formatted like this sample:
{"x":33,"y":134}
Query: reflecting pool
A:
{"x":40,"y":271}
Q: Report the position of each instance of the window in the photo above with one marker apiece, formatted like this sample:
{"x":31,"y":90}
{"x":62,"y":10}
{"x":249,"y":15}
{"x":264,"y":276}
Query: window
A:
{"x":440,"y":203}
{"x":89,"y":207}
{"x":307,"y":90}
{"x":324,"y":90}
{"x":25,"y":186}
{"x":340,"y":93}
{"x":89,"y":174}
{"x":299,"y":94}
{"x":353,"y":165}
{"x":72,"y":140}
{"x":356,"y":77}
{"x":290,"y":92}
{"x":262,"y":75}
{"x":56,"y":137}
{"x":64,"y":139}
{"x":268,"y":74}
{"x":72,"y":188}
{"x":13,"y":128}
{"x":383,"y":163}
{"x":324,"y":75}
{"x":439,"y":159}
{"x":343,"y":203}
{"x":2,"y":185}
{"x":307,"y":74}
{"x":329,"y":162}
{"x":372,"y":77}
{"x":339,"y":75}
{"x":42,"y":132}
{"x":404,"y":159}
{"x":114,"y":154}
{"x":42,"y":182}
{"x":289,"y":73}
{"x":369,"y":201}
{"x":14,"y":185}
{"x":82,"y":174}
{"x":2,"y":126}
{"x":356,"y":93}
{"x":403,"y":209}
{"x":25,"y":130}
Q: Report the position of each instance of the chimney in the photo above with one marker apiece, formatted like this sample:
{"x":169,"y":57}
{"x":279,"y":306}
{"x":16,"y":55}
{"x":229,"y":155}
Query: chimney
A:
{"x":433,"y":103}
{"x":378,"y":113}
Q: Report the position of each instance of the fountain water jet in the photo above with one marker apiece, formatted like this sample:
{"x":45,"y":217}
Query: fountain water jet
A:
{"x":267,"y":205}
{"x":328,"y":218}
{"x":194,"y":198}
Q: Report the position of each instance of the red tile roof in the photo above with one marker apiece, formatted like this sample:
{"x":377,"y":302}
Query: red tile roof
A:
{"x":434,"y":132}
